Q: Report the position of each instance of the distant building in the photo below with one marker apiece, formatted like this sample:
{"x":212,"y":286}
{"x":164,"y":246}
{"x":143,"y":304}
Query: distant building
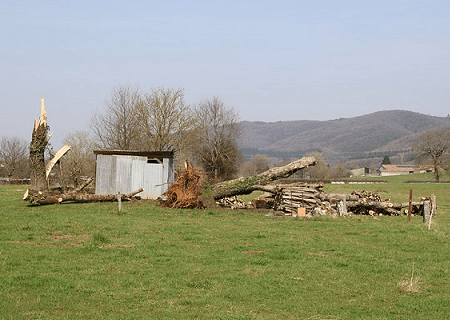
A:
{"x":126,"y":171}
{"x":360,"y":172}
{"x":400,"y":169}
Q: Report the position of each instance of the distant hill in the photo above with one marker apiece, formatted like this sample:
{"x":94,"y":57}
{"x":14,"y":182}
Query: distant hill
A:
{"x":364,"y":138}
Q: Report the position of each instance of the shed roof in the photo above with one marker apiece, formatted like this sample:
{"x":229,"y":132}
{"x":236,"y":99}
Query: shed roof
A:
{"x":149,"y":154}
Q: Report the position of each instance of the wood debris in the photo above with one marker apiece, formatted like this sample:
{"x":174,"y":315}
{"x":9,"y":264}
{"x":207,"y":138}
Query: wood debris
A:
{"x":233,"y":203}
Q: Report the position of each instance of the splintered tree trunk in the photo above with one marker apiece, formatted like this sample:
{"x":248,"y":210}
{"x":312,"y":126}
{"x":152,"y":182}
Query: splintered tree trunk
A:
{"x":247,"y":185}
{"x":39,"y":141}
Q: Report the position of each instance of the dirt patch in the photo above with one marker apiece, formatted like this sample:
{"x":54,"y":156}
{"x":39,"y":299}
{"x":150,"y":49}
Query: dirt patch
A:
{"x":69,"y":236}
{"x":252,"y":252}
{"x":122,"y":246}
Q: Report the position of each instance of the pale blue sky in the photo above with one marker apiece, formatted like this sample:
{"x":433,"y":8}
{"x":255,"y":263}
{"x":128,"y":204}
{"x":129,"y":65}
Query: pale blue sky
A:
{"x":269,"y":60}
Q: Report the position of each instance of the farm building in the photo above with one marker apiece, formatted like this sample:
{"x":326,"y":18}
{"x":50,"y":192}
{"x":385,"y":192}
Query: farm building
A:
{"x":126,"y":171}
{"x":399,"y":169}
{"x":360,"y":172}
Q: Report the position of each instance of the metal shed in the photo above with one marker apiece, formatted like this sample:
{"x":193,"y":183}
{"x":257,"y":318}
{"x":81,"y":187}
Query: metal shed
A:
{"x":126,"y":171}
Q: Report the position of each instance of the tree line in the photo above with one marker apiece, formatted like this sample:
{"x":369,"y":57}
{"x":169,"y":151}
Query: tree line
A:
{"x":205,"y":134}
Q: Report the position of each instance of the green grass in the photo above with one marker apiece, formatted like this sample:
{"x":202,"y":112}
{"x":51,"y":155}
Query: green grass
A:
{"x":88,"y":261}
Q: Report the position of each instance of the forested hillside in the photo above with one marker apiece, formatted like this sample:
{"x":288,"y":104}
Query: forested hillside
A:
{"x":346,"y":139}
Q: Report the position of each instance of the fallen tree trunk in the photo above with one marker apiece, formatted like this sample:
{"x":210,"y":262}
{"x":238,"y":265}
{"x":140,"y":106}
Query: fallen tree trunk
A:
{"x":275,"y":188}
{"x":40,"y":198}
{"x":247,"y":185}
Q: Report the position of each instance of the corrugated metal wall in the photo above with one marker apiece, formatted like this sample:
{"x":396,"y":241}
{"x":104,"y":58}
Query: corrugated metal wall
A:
{"x":124,"y":174}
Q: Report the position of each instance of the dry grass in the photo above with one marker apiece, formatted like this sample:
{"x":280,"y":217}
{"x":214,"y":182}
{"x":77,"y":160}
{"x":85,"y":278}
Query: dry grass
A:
{"x":411,"y":285}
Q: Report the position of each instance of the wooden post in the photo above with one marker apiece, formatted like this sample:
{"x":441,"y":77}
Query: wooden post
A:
{"x":342,"y":208}
{"x":119,"y":201}
{"x":410,"y":205}
{"x":426,"y":211}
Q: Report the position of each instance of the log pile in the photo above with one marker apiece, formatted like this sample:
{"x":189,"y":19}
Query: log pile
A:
{"x":233,"y":203}
{"x":289,"y":198}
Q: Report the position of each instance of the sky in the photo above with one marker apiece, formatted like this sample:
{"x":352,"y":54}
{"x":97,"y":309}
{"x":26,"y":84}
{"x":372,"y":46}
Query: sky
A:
{"x":268,"y":60}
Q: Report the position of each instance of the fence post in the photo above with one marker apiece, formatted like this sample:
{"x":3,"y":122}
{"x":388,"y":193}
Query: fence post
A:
{"x":410,"y":205}
{"x":119,"y":201}
{"x":426,"y":211}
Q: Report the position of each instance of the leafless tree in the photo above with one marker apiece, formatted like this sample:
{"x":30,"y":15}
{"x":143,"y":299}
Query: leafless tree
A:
{"x":79,"y":162}
{"x":321,"y":170}
{"x":339,"y":170}
{"x":216,"y":147}
{"x":14,"y":157}
{"x":433,"y":145}
{"x":257,"y":164}
{"x":164,"y":120}
{"x":118,"y":127}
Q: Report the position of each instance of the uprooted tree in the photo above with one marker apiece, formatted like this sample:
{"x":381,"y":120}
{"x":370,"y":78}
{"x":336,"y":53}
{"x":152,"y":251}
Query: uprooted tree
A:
{"x":187,"y":191}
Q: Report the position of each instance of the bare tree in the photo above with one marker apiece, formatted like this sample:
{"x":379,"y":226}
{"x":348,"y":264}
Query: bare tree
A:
{"x":339,"y":170}
{"x":321,"y":170}
{"x":14,"y":157}
{"x":118,"y":127}
{"x":433,"y":145}
{"x":79,"y":162}
{"x":164,"y":120}
{"x":257,"y":164}
{"x":216,"y":147}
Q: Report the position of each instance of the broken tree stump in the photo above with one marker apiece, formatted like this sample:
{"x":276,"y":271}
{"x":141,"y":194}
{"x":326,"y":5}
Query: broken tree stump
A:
{"x":39,"y":141}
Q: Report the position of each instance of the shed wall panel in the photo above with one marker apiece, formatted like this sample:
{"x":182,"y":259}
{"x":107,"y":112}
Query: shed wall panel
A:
{"x":138,"y":173}
{"x":105,"y":175}
{"x":123,"y":174}
{"x":127,"y":173}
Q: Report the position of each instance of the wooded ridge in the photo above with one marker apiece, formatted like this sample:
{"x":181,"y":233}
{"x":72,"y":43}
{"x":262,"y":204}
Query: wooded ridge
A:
{"x":368,"y":136}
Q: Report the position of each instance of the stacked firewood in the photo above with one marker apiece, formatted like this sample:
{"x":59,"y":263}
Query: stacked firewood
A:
{"x":289,"y":198}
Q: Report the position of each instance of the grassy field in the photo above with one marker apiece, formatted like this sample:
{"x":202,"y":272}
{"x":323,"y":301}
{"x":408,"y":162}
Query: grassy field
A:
{"x":88,"y":261}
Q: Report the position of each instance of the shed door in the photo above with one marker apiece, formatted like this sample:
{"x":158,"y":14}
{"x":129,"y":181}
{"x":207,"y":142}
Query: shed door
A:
{"x":153,"y":180}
